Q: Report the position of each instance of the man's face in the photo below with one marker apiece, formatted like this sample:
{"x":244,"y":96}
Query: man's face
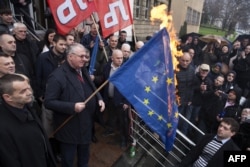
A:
{"x":117,"y":59}
{"x":113,"y":41}
{"x":7,"y":65}
{"x":224,"y":131}
{"x":185,"y":60}
{"x":77,"y":59}
{"x":21,"y":33}
{"x":219,"y":81}
{"x":22,"y":94}
{"x":70,"y":40}
{"x":123,"y":36}
{"x":126,"y":52}
{"x":8,"y":43}
{"x":59,"y":46}
{"x":6,"y":18}
{"x":93,"y":29}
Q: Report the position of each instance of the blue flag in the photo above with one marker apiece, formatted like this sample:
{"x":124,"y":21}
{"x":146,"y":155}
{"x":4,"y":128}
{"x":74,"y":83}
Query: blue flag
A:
{"x":93,"y":57}
{"x":147,"y":82}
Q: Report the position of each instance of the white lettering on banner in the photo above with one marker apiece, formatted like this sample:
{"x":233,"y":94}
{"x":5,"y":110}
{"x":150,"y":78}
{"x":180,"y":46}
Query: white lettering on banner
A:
{"x":112,"y":14}
{"x":67,"y":5}
{"x":82,"y":5}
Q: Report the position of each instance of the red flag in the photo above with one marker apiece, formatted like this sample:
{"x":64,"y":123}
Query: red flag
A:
{"x":69,"y":13}
{"x":114,"y":15}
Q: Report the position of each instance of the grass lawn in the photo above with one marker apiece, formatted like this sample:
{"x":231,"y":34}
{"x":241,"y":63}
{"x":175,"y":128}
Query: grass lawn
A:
{"x":215,"y":31}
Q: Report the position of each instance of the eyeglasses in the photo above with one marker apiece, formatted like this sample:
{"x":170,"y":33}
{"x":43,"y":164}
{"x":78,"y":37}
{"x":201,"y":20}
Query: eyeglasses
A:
{"x":22,"y":31}
{"x":81,"y":56}
{"x":204,"y":70}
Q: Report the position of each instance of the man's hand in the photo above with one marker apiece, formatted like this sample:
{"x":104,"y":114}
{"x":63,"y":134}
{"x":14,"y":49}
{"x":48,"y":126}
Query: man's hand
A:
{"x":102,"y":105}
{"x":79,"y":107}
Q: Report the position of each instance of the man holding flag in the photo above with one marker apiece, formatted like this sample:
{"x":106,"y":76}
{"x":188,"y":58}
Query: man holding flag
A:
{"x":147,"y":82}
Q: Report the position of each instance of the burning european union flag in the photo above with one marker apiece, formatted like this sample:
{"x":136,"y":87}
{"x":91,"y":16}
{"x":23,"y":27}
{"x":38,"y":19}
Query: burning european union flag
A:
{"x":147,"y":81}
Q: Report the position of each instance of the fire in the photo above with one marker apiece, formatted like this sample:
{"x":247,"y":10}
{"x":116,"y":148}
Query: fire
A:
{"x":159,"y":13}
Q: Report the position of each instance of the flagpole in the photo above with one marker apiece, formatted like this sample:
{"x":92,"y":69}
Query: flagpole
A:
{"x":86,"y":101}
{"x":98,"y":33}
{"x":133,"y":29}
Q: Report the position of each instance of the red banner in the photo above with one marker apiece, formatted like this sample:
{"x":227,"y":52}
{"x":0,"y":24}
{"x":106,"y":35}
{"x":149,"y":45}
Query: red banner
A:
{"x":69,"y":13}
{"x":114,"y":15}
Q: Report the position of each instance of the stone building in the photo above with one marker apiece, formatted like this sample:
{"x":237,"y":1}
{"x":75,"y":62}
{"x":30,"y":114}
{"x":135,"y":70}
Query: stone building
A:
{"x":182,"y":10}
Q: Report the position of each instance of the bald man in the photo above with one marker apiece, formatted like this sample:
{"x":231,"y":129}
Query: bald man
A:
{"x":126,"y":51}
{"x":116,"y":103}
{"x":185,"y":76}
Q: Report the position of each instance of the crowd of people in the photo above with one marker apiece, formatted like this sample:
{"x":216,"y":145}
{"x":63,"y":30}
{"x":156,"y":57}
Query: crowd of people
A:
{"x":46,"y":84}
{"x":213,"y":84}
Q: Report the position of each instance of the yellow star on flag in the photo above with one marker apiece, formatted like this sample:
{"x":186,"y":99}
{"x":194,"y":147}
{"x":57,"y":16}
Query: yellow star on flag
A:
{"x":150,"y":113}
{"x":169,"y":125}
{"x":147,"y":89}
{"x":146,"y":101}
{"x":169,"y":81}
{"x":155,"y":79}
{"x":176,"y":114}
{"x":160,"y":117}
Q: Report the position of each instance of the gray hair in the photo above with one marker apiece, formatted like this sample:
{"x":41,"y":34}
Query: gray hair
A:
{"x":73,"y":47}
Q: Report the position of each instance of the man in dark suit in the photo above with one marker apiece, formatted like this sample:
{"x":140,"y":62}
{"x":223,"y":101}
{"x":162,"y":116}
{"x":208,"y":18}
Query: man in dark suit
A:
{"x":209,"y":152}
{"x":23,"y":141}
{"x":67,"y":89}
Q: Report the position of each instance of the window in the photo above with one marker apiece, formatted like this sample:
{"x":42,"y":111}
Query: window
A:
{"x":137,"y":9}
{"x":189,"y":15}
{"x":193,"y":16}
{"x":155,"y":2}
{"x":146,"y":9}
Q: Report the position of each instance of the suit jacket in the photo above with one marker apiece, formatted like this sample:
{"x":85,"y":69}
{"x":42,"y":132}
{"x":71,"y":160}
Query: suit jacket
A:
{"x":118,"y":98}
{"x":217,"y":160}
{"x":62,"y":92}
{"x":23,"y":141}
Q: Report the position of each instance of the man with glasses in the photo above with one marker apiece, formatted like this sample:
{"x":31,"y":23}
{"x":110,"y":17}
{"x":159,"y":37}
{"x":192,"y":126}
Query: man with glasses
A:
{"x":67,"y":89}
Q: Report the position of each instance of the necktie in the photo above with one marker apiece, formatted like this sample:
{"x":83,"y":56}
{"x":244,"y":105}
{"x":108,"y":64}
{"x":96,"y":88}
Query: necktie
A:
{"x":79,"y":76}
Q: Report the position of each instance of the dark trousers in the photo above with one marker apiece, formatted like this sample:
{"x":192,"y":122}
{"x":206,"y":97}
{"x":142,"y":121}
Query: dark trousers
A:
{"x":69,"y":151}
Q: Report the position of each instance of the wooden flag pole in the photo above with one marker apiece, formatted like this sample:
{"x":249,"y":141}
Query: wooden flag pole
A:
{"x":98,"y":33}
{"x":86,"y":101}
{"x":133,"y":29}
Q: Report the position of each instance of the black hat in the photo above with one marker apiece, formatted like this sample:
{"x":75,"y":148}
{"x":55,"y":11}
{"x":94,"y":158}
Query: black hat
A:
{"x":237,"y":92}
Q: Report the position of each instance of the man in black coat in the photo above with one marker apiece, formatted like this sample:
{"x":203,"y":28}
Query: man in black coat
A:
{"x":209,"y":152}
{"x":23,"y":141}
{"x":67,"y":89}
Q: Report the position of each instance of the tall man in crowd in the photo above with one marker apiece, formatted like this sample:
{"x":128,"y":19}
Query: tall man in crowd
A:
{"x":67,"y":89}
{"x":117,"y":105}
{"x":185,"y":89}
{"x":23,"y":141}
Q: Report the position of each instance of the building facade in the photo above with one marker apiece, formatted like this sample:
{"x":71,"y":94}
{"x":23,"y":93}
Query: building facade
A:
{"x":181,"y":10}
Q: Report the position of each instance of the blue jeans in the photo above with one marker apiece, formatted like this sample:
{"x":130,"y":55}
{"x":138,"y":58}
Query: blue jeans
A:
{"x":68,"y":152}
{"x":186,"y":111}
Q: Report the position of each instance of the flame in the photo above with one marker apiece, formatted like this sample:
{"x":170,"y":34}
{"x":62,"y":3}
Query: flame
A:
{"x":159,"y":13}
